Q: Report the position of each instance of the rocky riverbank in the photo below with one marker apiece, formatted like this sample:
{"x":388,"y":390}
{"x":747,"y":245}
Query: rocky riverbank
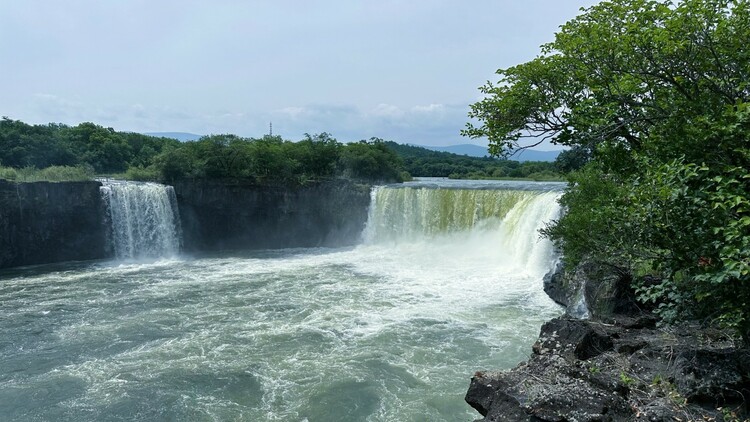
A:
{"x":617,"y":365}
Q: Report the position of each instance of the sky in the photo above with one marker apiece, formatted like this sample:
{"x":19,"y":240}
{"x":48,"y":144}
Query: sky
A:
{"x":399,"y":70}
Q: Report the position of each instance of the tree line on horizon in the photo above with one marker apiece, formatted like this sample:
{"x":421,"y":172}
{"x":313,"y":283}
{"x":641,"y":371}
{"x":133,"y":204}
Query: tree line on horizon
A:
{"x":59,"y":152}
{"x":83,"y":151}
{"x":419,"y":161}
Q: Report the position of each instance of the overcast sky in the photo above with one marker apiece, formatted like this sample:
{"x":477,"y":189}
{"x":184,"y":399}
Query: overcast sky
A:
{"x":400,"y":70}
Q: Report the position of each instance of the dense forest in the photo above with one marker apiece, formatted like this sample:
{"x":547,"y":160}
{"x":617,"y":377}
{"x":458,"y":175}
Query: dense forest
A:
{"x":656,"y":94}
{"x":420,"y":161}
{"x":85,"y":150}
{"x":59,"y":152}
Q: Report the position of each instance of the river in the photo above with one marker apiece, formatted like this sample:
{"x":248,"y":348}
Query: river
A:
{"x":447,"y":281}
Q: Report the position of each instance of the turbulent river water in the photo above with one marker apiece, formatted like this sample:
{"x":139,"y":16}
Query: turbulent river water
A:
{"x":390,"y":330}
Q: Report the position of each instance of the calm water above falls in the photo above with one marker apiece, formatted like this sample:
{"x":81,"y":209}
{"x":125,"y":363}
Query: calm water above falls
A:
{"x":390,"y":330}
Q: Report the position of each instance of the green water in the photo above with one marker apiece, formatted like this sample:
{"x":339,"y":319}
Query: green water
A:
{"x":387,"y":331}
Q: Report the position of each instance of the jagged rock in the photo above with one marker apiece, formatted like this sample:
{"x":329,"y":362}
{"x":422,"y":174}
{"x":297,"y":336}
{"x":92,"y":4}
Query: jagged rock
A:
{"x":572,"y":337}
{"x":584,"y":370}
{"x":483,"y":394}
{"x":711,"y":376}
{"x":616,"y":364}
{"x":556,"y":288}
{"x":592,"y":290}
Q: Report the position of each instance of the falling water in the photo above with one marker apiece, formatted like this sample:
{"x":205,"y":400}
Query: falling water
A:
{"x":448,"y":282}
{"x":499,"y":225}
{"x":143,"y":218}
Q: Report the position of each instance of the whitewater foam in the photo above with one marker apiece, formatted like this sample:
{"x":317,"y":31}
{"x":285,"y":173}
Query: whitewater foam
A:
{"x":144,"y":219}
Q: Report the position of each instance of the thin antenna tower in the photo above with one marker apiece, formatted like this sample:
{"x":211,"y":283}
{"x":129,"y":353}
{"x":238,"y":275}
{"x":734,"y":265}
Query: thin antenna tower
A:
{"x":270,"y":128}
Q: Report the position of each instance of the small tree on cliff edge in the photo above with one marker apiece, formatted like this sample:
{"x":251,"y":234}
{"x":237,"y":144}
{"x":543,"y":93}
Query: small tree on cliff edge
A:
{"x":658,"y":92}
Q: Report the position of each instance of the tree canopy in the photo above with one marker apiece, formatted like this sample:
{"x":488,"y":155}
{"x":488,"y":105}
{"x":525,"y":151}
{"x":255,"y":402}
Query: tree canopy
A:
{"x":88,"y":149}
{"x":422,"y":162}
{"x":656,"y":94}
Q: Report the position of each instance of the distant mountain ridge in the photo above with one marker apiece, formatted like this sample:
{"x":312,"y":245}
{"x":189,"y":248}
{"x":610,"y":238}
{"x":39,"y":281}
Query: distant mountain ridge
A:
{"x":180,"y":136}
{"x":478,"y":151}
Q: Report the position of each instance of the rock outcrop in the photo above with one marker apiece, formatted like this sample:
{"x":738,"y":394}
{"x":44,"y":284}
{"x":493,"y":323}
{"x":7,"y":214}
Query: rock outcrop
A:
{"x":618,"y":365}
{"x":45,"y":222}
{"x":223,"y":216}
{"x":592,"y":291}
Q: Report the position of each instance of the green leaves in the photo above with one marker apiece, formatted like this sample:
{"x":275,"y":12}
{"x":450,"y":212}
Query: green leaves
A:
{"x":658,"y":92}
{"x":617,"y":73}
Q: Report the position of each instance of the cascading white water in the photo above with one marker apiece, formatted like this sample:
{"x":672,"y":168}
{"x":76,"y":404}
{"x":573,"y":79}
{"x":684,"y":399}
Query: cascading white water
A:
{"x":143,"y":218}
{"x":499,"y":225}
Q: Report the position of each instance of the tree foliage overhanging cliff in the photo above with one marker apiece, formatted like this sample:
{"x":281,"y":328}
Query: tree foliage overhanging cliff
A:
{"x":657,"y":93}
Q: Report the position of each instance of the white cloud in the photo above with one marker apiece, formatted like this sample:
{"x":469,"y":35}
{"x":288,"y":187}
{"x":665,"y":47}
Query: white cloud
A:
{"x":431,"y":108}
{"x":387,"y":110}
{"x":293,"y":112}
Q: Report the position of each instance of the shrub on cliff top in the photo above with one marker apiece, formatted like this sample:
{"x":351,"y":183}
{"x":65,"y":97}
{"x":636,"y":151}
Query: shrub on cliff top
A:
{"x":48,"y":174}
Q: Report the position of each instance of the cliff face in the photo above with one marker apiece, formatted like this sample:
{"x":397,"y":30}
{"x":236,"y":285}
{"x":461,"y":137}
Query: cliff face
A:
{"x":52,"y":222}
{"x":45,"y":222}
{"x":218,"y":216}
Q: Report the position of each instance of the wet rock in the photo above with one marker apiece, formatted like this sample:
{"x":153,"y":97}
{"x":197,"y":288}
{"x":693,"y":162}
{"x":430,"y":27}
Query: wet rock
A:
{"x":44,"y":222}
{"x":592,"y":290}
{"x":583,"y":370}
{"x":219,"y":215}
{"x":485,"y":391}
{"x":573,"y":337}
{"x":714,"y":377}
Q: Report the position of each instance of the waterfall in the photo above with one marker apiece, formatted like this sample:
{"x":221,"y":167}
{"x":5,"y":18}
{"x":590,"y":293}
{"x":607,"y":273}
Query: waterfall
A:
{"x":143,"y":217}
{"x":499,"y":225}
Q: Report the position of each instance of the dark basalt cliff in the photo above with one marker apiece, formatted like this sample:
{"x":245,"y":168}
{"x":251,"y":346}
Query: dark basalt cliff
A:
{"x":218,"y":216}
{"x":45,"y":222}
{"x":617,"y":365}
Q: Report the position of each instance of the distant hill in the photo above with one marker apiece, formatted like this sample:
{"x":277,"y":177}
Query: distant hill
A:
{"x":180,"y":136}
{"x":421,"y":161}
{"x":479,"y":151}
{"x":462,"y":149}
{"x":534,"y":155}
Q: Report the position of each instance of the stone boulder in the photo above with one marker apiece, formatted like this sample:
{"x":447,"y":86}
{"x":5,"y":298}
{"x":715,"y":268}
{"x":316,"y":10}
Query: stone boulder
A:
{"x":592,"y":290}
{"x":583,"y":370}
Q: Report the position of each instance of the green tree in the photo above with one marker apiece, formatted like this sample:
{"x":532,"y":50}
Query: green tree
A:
{"x":572,"y":159}
{"x":371,"y":160}
{"x":24,"y":145}
{"x":657,"y":91}
{"x":102,"y":148}
{"x":318,"y":154}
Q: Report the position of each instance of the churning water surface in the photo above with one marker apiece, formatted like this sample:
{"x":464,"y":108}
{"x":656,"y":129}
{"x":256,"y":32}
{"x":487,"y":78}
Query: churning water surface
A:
{"x":390,"y":330}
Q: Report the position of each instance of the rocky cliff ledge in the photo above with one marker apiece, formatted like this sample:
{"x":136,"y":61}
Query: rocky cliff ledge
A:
{"x":45,"y":222}
{"x":224,"y":215}
{"x":617,"y":365}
